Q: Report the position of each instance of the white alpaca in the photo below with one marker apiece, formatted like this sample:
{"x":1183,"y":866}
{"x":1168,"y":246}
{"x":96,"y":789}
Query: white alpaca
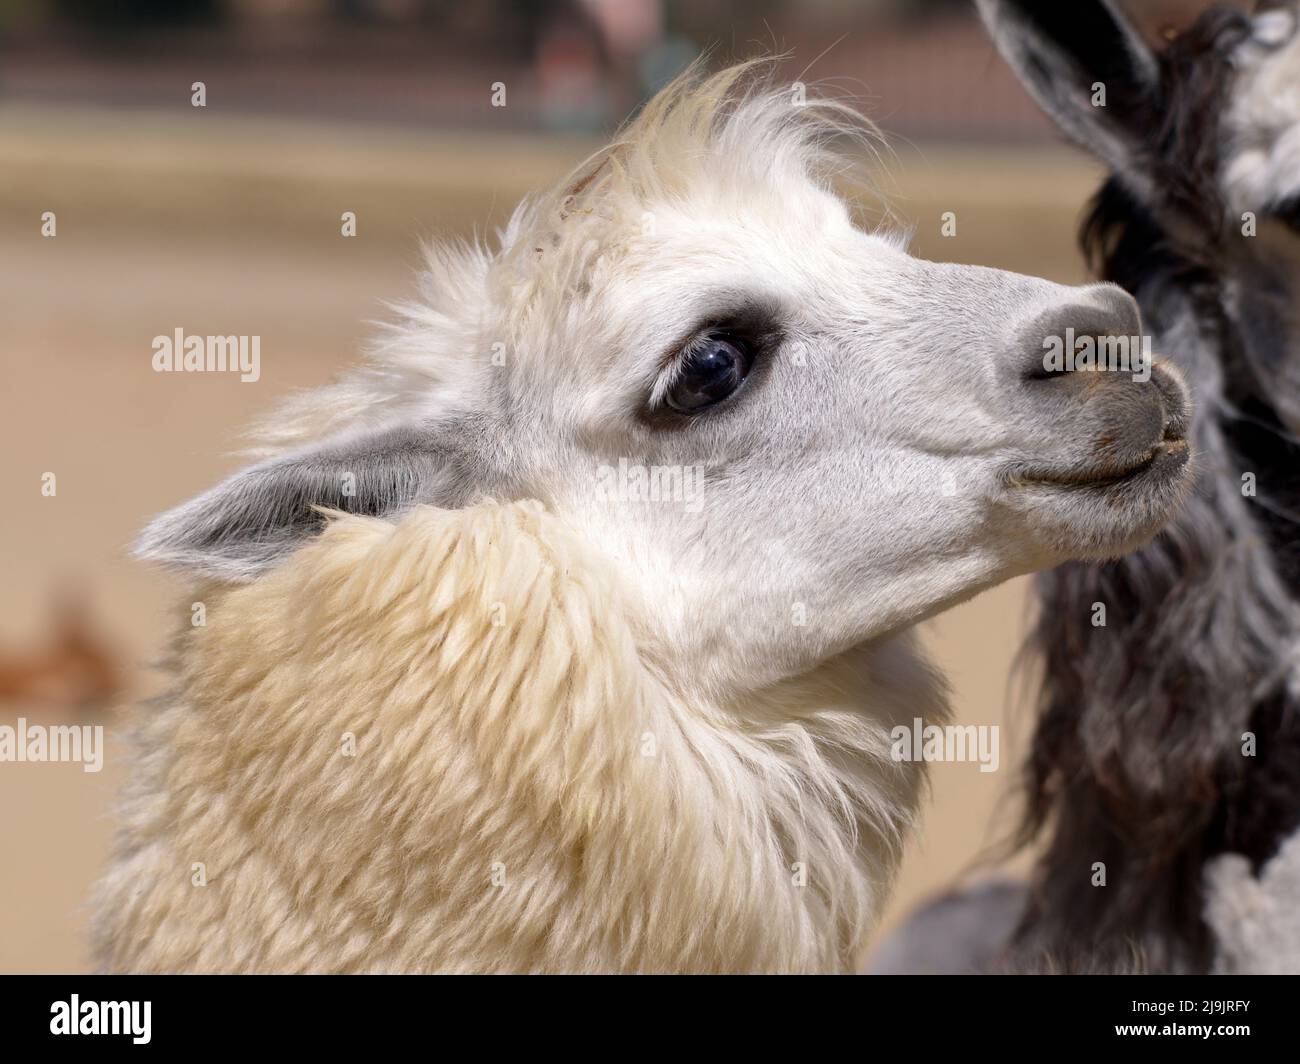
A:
{"x":599,"y":669}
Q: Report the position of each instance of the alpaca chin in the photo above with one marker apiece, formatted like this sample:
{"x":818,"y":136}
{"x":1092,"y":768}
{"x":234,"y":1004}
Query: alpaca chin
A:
{"x":1103,"y":520}
{"x":433,"y":745}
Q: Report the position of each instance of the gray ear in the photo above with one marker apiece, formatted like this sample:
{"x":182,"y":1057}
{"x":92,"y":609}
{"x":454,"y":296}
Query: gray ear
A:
{"x":238,"y":529}
{"x":1061,"y":50}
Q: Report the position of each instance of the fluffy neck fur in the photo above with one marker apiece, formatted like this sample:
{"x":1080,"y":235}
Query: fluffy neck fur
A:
{"x":527,"y":794}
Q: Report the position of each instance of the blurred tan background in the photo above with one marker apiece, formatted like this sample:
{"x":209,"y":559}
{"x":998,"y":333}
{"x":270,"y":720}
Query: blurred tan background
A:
{"x":226,"y":219}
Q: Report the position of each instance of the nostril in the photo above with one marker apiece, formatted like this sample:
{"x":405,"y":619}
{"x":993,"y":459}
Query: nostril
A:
{"x":1075,"y":350}
{"x":1103,"y":334}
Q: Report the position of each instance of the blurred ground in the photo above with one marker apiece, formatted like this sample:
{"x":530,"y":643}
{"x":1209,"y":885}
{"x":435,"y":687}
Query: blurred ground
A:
{"x":226,"y":225}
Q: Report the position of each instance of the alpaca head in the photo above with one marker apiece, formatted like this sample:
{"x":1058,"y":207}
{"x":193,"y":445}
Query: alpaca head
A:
{"x":789,"y":435}
{"x":1202,"y":138}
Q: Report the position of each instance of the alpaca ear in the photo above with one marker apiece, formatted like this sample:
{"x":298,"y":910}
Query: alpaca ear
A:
{"x":241,"y":527}
{"x":1072,"y":56}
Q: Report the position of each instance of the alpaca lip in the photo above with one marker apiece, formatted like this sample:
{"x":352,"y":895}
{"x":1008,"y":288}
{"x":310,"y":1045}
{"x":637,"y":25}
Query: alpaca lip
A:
{"x":1170,"y":454}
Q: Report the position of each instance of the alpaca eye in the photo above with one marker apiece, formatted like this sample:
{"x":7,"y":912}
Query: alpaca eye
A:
{"x":711,"y":372}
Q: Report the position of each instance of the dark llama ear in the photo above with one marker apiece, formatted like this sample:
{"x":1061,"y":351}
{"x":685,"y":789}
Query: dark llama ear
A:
{"x":1071,"y":57}
{"x":241,"y":527}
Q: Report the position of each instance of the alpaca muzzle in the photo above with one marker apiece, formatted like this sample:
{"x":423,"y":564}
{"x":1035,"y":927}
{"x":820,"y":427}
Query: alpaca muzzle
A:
{"x":1104,"y":407}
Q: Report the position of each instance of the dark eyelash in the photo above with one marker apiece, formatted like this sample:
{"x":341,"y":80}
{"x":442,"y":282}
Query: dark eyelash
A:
{"x":755,"y":326}
{"x":717,"y":332}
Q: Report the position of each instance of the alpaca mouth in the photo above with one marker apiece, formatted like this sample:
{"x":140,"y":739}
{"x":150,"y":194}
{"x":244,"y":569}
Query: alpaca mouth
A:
{"x":1165,"y":458}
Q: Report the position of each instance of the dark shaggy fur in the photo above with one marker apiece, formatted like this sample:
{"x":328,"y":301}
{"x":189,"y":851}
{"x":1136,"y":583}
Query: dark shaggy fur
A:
{"x":1137,"y":760}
